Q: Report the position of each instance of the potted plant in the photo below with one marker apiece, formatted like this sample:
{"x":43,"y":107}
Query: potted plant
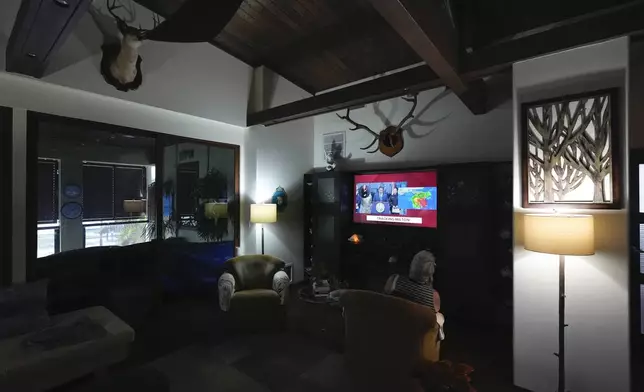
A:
{"x":213,"y":188}
{"x":169,"y":226}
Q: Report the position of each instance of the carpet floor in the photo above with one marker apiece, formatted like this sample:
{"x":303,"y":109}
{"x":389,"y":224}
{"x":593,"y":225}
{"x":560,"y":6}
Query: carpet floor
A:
{"x":185,"y":348}
{"x":255,"y":363}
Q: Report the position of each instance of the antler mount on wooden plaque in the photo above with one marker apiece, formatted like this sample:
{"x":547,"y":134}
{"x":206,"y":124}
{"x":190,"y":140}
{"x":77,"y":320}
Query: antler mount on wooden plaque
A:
{"x":390,"y":140}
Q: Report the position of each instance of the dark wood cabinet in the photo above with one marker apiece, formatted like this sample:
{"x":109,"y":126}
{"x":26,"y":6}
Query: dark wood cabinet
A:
{"x":328,"y":202}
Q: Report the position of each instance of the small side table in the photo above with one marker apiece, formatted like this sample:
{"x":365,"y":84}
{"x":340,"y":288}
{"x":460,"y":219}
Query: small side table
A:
{"x":306,"y":294}
{"x":318,"y":317}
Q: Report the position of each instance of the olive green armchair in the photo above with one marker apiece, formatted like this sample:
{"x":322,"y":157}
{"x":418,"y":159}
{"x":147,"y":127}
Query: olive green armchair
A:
{"x":254,"y":289}
{"x":387,"y":338}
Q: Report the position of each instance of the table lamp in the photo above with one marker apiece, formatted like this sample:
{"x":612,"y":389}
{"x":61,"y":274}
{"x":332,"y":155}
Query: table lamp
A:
{"x":263,"y":213}
{"x":134,"y":206}
{"x":215,"y":210}
{"x":563,"y":235}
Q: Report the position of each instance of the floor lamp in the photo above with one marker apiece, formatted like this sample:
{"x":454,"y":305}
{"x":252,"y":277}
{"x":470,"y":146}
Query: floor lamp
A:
{"x":563,"y":235}
{"x":263,"y":213}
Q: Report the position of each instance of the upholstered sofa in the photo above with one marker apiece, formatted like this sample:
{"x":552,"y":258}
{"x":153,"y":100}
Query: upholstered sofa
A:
{"x":253,"y":290}
{"x":132,"y":280}
{"x":386,"y":339}
{"x":28,"y":367}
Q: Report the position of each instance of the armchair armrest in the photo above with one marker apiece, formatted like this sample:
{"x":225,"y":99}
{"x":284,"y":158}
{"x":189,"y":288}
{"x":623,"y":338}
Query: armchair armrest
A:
{"x":226,"y":287}
{"x":281,"y":283}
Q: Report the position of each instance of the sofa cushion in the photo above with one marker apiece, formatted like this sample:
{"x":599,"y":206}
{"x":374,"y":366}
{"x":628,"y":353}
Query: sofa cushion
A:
{"x":254,"y":300}
{"x":256,"y":310}
{"x":21,"y":298}
{"x":23,"y":308}
{"x":23,"y":323}
{"x":256,"y":295}
{"x":32,"y":369}
{"x":57,"y":336}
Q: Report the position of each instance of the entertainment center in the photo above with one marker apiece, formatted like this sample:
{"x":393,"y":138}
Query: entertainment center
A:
{"x":460,"y":212}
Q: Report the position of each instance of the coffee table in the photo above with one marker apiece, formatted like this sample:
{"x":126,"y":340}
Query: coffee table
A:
{"x":318,"y":317}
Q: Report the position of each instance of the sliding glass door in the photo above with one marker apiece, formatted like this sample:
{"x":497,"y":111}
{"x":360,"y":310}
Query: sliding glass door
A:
{"x":90,"y":184}
{"x":201,"y":190}
{"x":96,"y":185}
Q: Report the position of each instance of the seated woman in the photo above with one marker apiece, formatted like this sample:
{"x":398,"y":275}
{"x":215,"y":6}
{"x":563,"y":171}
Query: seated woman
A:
{"x":419,"y":286}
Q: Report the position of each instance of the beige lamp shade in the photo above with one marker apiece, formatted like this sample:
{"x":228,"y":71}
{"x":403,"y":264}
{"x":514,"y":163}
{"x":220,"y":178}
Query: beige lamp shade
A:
{"x":572,"y":235}
{"x":263,"y":213}
{"x":216,"y":210}
{"x":134,"y":206}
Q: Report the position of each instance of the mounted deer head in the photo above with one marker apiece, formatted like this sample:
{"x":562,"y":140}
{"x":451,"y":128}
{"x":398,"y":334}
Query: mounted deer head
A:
{"x":121,"y":63}
{"x":390,"y":140}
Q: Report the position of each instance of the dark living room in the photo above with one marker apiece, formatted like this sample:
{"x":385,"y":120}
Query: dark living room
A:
{"x":321,"y":195}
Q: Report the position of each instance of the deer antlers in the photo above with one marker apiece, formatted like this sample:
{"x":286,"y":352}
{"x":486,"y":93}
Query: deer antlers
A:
{"x":412,"y":98}
{"x":124,"y":28}
{"x":386,"y":136}
{"x":357,"y":126}
{"x":119,"y":21}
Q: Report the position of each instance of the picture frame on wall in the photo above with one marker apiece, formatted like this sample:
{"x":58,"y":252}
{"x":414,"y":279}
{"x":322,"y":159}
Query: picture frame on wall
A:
{"x":571,"y":151}
{"x":335,"y":144}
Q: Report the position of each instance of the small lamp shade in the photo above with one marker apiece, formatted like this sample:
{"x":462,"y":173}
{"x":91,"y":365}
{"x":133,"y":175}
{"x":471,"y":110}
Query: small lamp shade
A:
{"x":572,"y":235}
{"x":263,"y":213}
{"x":216,"y":210}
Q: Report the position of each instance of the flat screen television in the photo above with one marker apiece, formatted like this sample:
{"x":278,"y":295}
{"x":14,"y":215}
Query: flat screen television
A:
{"x":402,"y":199}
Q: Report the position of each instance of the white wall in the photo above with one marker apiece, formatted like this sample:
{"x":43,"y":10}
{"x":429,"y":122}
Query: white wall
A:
{"x":197,"y":79}
{"x":31,"y":94}
{"x":597,"y":340}
{"x":24,"y":94}
{"x":444,"y":131}
{"x":279,"y":156}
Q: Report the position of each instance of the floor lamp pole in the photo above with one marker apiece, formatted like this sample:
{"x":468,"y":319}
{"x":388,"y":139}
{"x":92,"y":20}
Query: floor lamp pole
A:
{"x":263,"y":238}
{"x":562,"y":324}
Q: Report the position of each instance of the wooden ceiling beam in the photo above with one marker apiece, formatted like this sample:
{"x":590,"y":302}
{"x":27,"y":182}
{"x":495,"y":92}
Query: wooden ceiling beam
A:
{"x":428,"y":30}
{"x":408,"y":81}
{"x":613,"y":22}
{"x":499,"y":57}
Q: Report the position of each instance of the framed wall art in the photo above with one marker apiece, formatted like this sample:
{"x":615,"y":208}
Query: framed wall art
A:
{"x":570,"y":151}
{"x":335,"y":144}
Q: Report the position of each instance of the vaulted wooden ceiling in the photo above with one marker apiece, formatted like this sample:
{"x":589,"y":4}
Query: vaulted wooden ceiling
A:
{"x":323,"y":44}
{"x":317,"y":44}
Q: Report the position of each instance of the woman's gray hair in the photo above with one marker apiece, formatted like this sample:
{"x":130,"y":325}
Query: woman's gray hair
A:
{"x":422,"y":267}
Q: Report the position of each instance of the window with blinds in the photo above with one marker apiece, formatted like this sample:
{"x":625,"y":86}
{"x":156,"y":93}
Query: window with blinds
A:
{"x":48,"y":188}
{"x":106,"y":187}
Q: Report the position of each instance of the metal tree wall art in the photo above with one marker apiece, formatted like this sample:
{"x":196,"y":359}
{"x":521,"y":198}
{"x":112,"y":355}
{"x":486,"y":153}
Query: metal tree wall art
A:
{"x":570,"y":151}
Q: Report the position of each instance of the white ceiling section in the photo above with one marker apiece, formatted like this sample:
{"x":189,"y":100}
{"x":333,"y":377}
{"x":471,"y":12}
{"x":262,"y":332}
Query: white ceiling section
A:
{"x":196,"y":79}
